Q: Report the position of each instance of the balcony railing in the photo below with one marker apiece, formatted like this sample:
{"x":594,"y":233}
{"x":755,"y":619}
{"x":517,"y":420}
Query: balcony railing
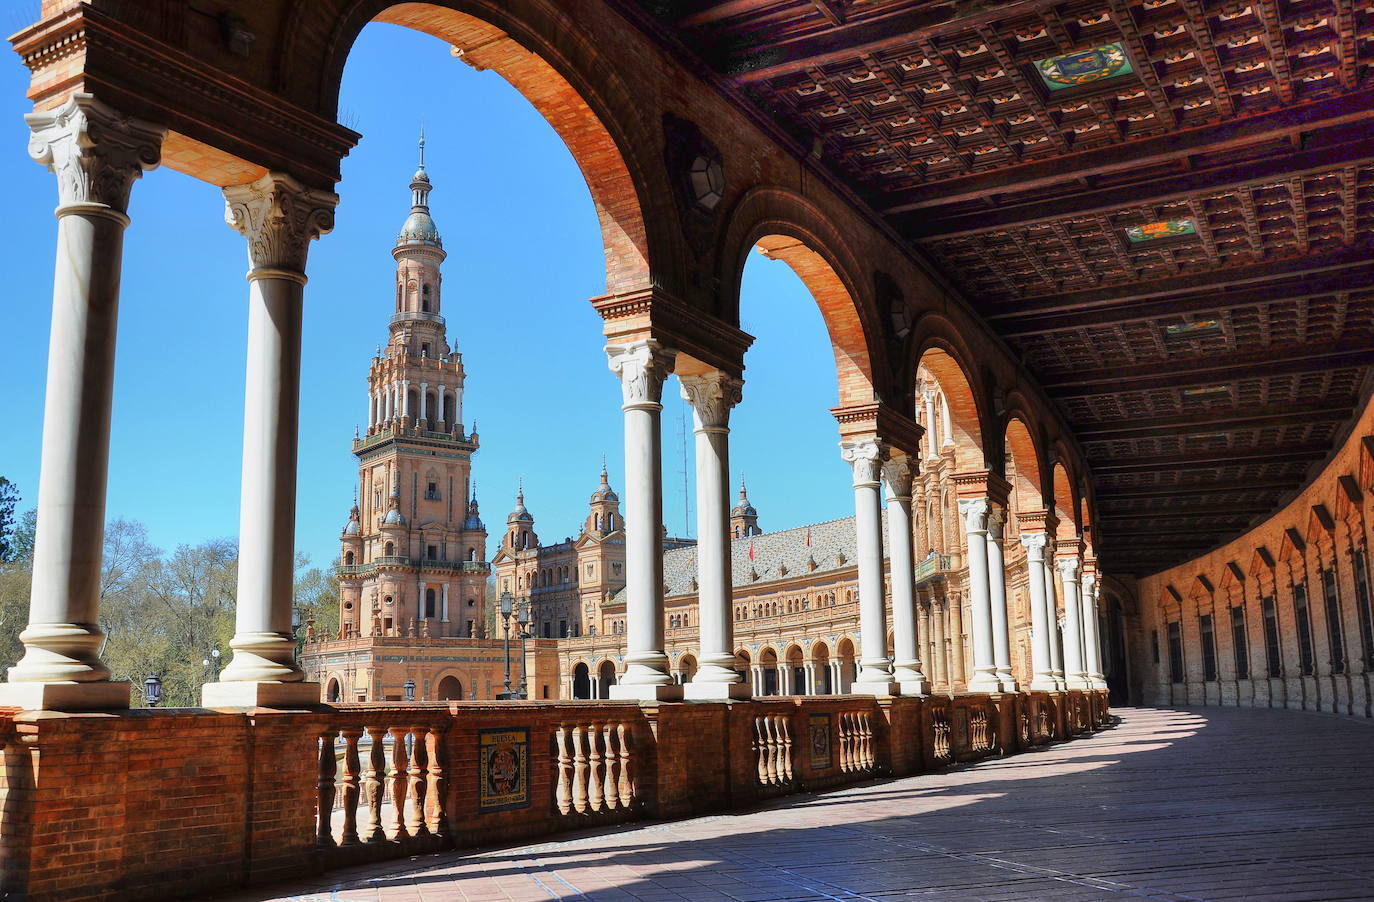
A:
{"x":416,"y":317}
{"x":425,"y":563}
{"x":932,"y":568}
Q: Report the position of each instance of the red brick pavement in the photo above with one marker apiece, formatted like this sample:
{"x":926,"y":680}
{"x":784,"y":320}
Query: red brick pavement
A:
{"x":1188,"y":804}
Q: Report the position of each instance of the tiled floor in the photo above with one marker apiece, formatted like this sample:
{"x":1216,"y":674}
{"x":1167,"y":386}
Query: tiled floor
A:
{"x":1196,"y":804}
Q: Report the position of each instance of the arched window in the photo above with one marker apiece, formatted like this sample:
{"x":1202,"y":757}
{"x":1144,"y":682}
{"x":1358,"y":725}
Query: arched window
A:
{"x":424,"y":299}
{"x":389,"y":550}
{"x":429,"y":603}
{"x":348,"y":558}
{"x":472,"y":554}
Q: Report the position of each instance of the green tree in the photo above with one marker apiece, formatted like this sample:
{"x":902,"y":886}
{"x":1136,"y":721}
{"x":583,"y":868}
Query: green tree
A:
{"x":9,"y":499}
{"x":316,"y":597}
{"x":21,"y":541}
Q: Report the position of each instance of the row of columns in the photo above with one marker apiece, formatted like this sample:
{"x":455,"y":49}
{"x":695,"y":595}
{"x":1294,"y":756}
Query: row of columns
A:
{"x":392,"y":402}
{"x":97,"y":154}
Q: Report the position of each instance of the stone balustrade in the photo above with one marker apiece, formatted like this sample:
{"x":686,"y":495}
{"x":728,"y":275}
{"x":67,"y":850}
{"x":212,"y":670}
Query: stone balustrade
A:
{"x":180,"y":802}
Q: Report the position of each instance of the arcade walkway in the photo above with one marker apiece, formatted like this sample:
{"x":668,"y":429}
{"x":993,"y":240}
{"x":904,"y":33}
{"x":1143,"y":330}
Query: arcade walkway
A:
{"x":1197,"y":804}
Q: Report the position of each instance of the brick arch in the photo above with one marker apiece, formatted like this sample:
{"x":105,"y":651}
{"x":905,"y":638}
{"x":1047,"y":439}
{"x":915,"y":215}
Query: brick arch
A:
{"x":536,"y":46}
{"x":1066,"y":511}
{"x":1027,"y":474}
{"x":787,"y":227}
{"x":966,"y":414}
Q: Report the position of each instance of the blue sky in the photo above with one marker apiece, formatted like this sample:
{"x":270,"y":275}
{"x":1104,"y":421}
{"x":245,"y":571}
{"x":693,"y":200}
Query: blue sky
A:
{"x":524,"y":258}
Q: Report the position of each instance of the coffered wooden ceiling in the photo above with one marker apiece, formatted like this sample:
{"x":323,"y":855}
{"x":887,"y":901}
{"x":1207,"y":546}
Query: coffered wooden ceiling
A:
{"x":1165,"y":206}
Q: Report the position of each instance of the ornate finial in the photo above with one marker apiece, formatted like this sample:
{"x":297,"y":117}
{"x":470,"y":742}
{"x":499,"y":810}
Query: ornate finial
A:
{"x":743,"y":492}
{"x":520,"y":490}
{"x":422,"y":146}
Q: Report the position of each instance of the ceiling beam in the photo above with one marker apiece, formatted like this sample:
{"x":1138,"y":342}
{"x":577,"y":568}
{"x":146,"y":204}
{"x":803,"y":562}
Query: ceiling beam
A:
{"x":1194,"y":488}
{"x":1208,"y":181}
{"x":1355,"y":256}
{"x":1178,"y":373}
{"x":1317,"y":284}
{"x":1205,"y":534}
{"x":1085,"y":164}
{"x":1207,"y":459}
{"x":1215,"y":420}
{"x":1107,"y":514}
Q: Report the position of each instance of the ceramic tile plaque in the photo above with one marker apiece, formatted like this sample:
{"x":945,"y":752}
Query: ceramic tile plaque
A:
{"x":503,"y":769}
{"x":821,"y":749}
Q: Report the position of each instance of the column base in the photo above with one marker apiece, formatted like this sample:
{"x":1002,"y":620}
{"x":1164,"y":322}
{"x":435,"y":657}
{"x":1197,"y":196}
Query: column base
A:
{"x":647,"y":692}
{"x":259,"y":695}
{"x":716,"y":691}
{"x":1076,"y":683}
{"x":1043,"y":684}
{"x":985,"y":683}
{"x":98,"y":695}
{"x":880,"y":689}
{"x":1008,"y":686}
{"x":914,"y":687}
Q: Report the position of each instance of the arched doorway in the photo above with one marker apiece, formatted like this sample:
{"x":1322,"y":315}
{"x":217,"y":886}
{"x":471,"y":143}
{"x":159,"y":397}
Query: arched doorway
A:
{"x":450,"y":689}
{"x":605,"y":679}
{"x":795,"y":681}
{"x":333,"y":691}
{"x":820,"y":662}
{"x":686,"y":669}
{"x":845,"y":652}
{"x":581,"y":681}
{"x":768,"y":664}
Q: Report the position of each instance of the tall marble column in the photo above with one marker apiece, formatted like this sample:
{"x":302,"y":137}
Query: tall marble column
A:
{"x":279,"y":217}
{"x":642,"y":367}
{"x":974,"y":512}
{"x":942,"y":674}
{"x":1056,"y":640}
{"x":932,"y":430}
{"x":1092,"y":649}
{"x":897,"y":474}
{"x":96,"y":153}
{"x":712,"y":395}
{"x":997,"y":588}
{"x":865,"y":457}
{"x":1042,"y":668}
{"x":1073,"y":630}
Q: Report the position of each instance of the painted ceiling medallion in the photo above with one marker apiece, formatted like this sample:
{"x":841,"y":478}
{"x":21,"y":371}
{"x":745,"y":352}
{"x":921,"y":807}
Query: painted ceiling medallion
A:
{"x":1153,"y":231}
{"x":1083,"y":67}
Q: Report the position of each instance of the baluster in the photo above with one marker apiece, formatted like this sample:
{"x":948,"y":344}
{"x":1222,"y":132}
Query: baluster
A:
{"x":376,"y":773}
{"x":418,"y":771}
{"x":562,"y":794}
{"x":866,"y":742}
{"x":438,"y":783}
{"x":594,"y":767}
{"x":609,"y":791}
{"x":579,"y":771}
{"x":626,"y":784}
{"x":397,"y":780}
{"x":324,"y":828}
{"x":844,"y":743}
{"x":785,"y":729}
{"x":351,"y":774}
{"x":761,"y":750}
{"x":771,"y":732}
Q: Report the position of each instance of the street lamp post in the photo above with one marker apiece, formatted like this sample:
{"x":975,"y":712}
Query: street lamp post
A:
{"x":524,"y":620}
{"x":505,"y":619}
{"x":152,"y":690}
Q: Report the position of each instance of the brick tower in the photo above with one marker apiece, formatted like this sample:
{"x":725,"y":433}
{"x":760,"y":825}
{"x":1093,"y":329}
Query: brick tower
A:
{"x":414,"y":550}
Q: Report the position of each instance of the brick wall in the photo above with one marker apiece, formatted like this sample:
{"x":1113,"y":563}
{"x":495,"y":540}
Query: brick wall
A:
{"x":162,"y":804}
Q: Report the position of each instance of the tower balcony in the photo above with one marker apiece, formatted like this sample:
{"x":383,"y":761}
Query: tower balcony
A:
{"x":934,"y":568}
{"x":356,"y":571}
{"x":398,"y":319}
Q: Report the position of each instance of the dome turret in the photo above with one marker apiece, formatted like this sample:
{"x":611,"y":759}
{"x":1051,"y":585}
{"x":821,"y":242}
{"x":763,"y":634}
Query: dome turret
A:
{"x":354,"y":526}
{"x":519,"y":514}
{"x":393,"y":506}
{"x":474,"y":519}
{"x":604,"y":492}
{"x":419,"y":227}
{"x":744,"y":519}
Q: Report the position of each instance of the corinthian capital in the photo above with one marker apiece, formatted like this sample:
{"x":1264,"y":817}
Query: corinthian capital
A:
{"x":1089,"y":583}
{"x":865,"y":457}
{"x":280,"y":217}
{"x":712,"y":395}
{"x":975,"y":513}
{"x":897,"y":474}
{"x":1035,"y":545}
{"x":1068,"y":568}
{"x":642,"y":367}
{"x":95,"y":152}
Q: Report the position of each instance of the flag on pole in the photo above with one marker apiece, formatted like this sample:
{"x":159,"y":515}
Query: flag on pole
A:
{"x":751,"y":549}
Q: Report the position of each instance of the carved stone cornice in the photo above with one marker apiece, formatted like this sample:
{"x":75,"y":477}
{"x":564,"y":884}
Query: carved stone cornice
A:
{"x":279,"y":217}
{"x":642,"y":367}
{"x":865,"y":457}
{"x":880,"y":422}
{"x":973,"y":483}
{"x":654,"y":314}
{"x":95,"y":151}
{"x":1033,"y":521}
{"x":897,"y":475}
{"x":712,"y":396}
